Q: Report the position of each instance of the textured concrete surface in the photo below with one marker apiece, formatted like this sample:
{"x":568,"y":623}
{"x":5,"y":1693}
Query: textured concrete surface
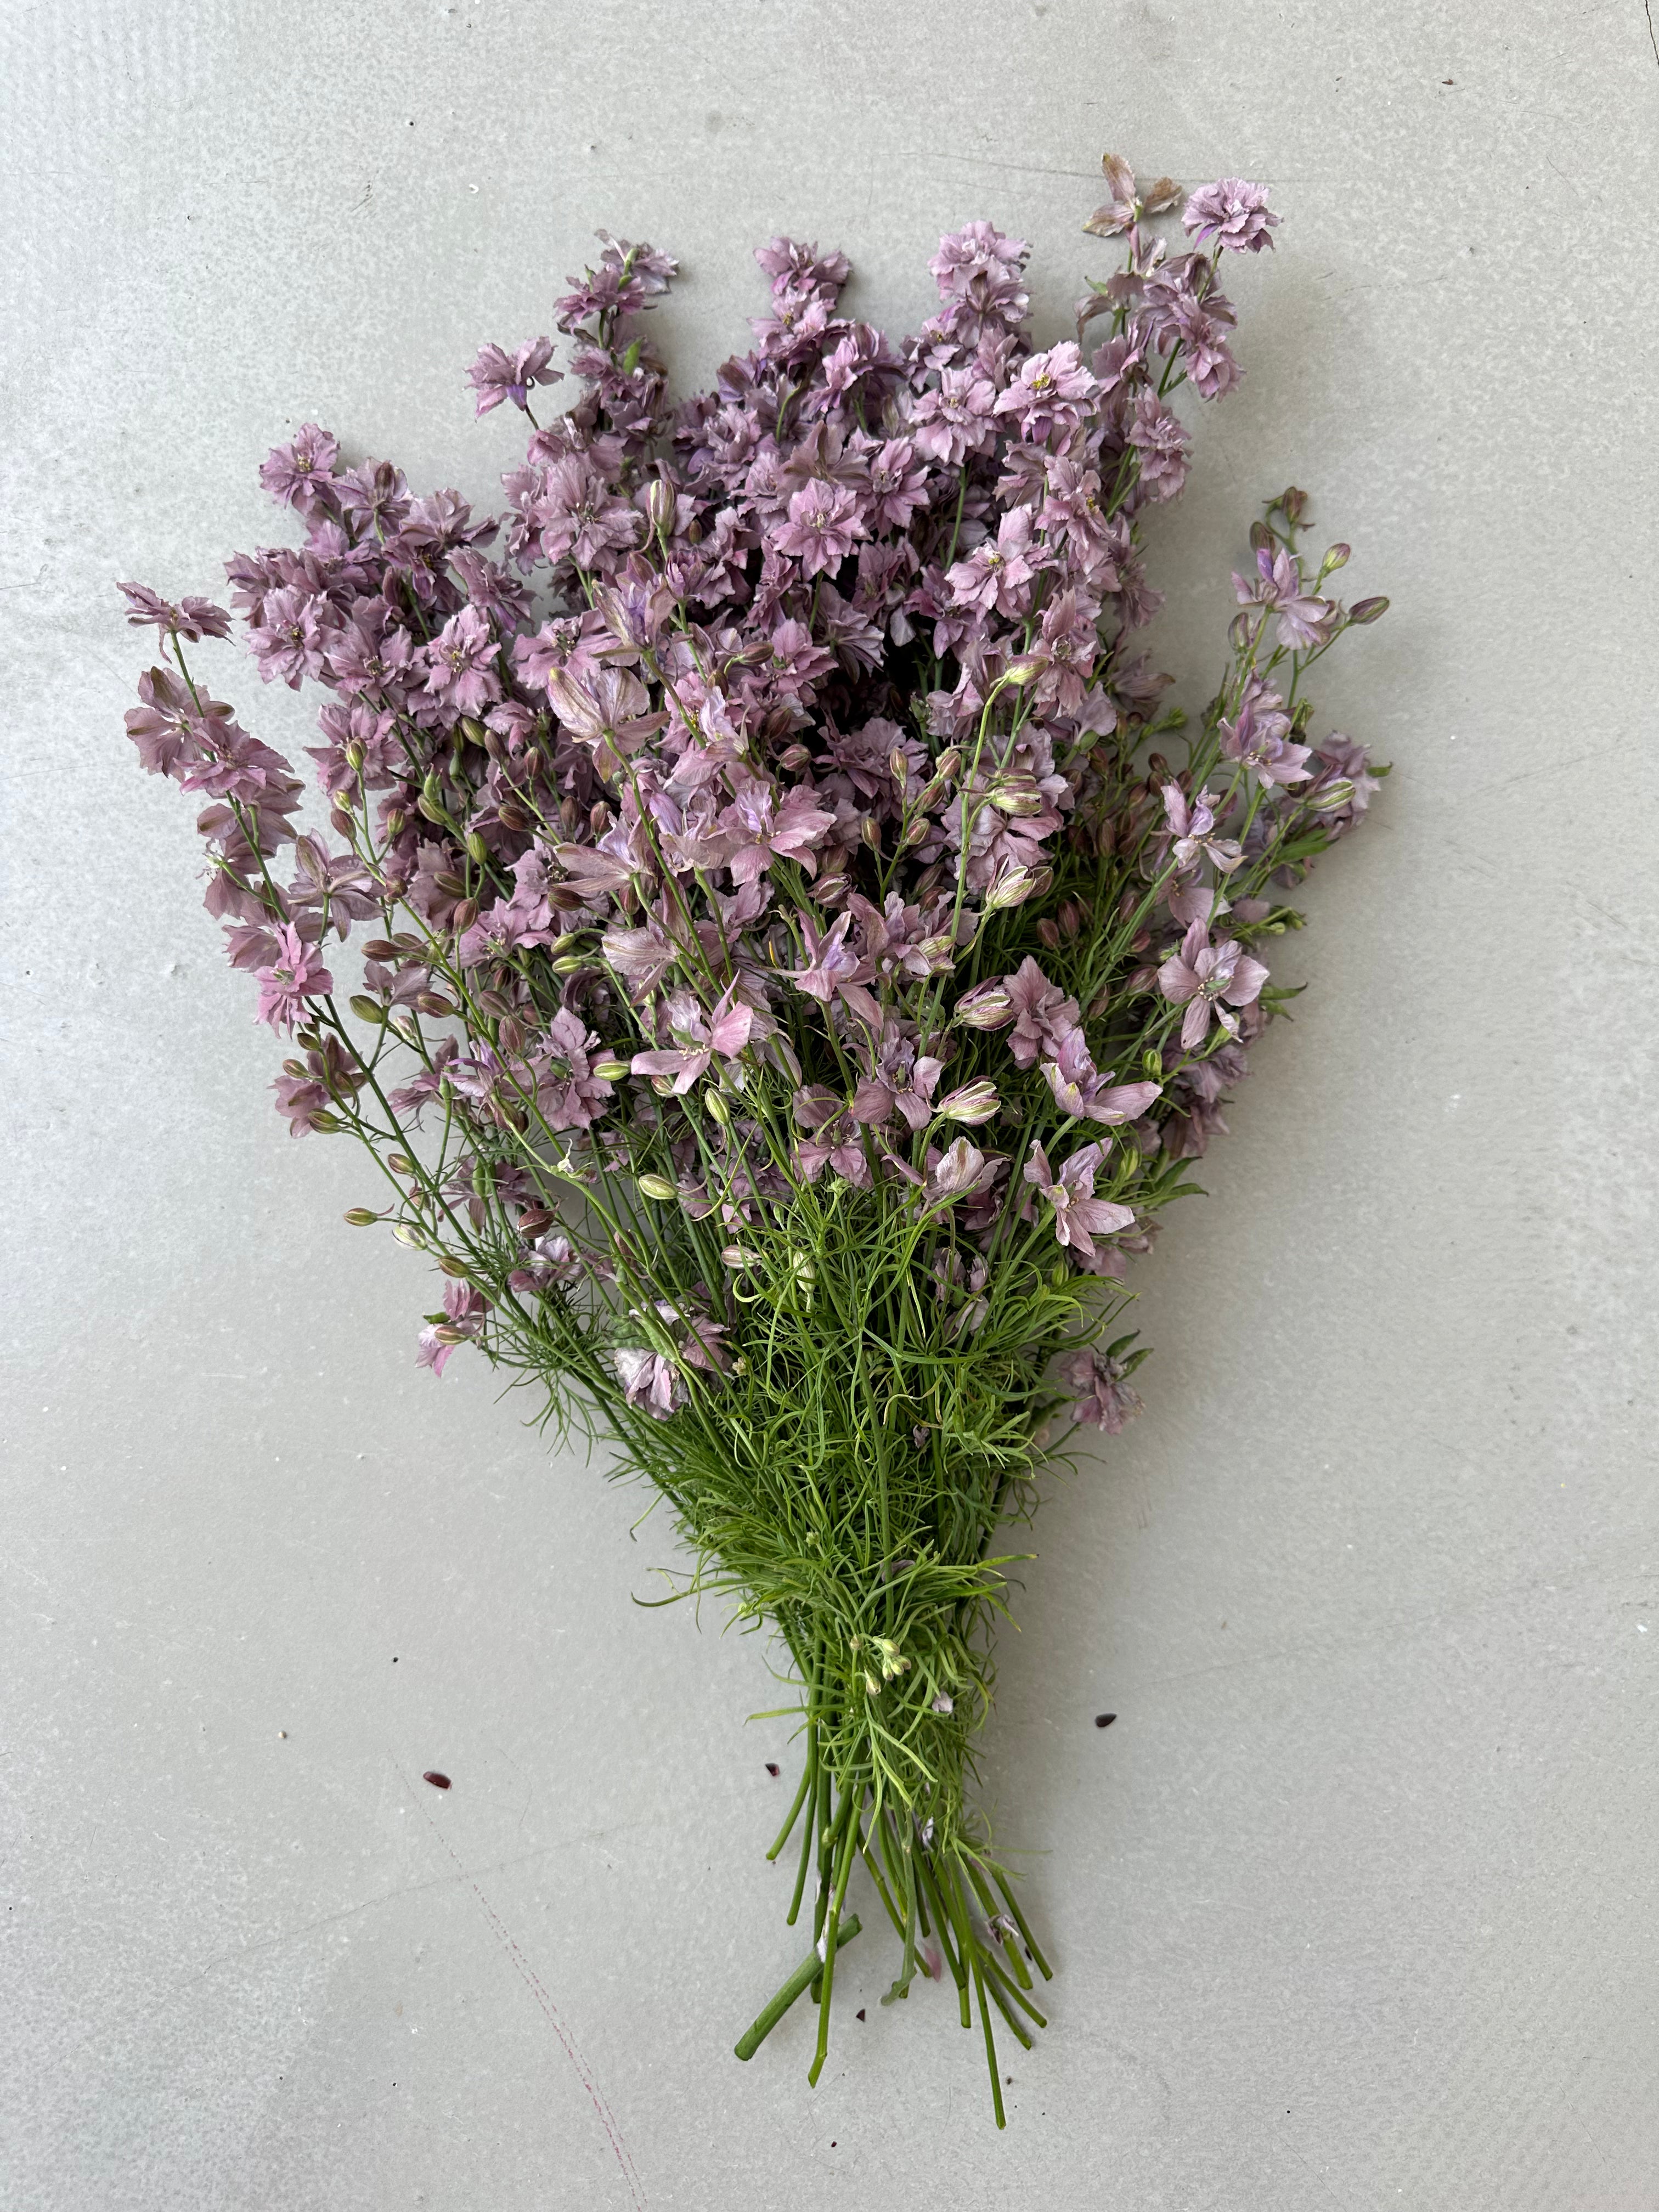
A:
{"x":1355,"y":1906}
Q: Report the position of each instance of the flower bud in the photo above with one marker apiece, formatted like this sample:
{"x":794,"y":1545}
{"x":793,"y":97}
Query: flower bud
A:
{"x":400,"y":1164}
{"x":948,"y":763}
{"x":657,"y":1188}
{"x":435,"y":1004}
{"x":343,"y":824}
{"x":1024,"y":668}
{"x":611,"y":1071}
{"x":917,"y":832}
{"x":871,"y":833}
{"x":1013,"y":887}
{"x":973,"y":1104}
{"x":986,"y":1006}
{"x":361,"y":1217}
{"x":509,"y":1034}
{"x":570,"y":964}
{"x":356,"y":756}
{"x":662,"y":504}
{"x":1367,"y":610}
{"x":1336,"y":557}
{"x":738,"y":1255}
{"x":1293,"y":503}
{"x":717,"y":1106}
{"x":413,"y":1237}
{"x":465,"y":916}
{"x":477,"y":851}
{"x":395,"y":822}
{"x":454,"y":1268}
{"x":898,"y":768}
{"x":367,"y":1009}
{"x":1332,"y":796}
{"x":1262,"y":537}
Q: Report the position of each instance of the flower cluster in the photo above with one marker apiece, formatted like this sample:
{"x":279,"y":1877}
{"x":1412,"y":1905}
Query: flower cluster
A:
{"x":760,"y":823}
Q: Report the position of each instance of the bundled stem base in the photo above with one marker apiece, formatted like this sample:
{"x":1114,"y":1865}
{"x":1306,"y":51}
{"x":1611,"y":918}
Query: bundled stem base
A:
{"x":951,"y":1906}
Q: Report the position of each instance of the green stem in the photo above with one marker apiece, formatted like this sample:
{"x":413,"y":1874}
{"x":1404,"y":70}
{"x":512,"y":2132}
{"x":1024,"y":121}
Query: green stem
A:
{"x":750,"y":2041}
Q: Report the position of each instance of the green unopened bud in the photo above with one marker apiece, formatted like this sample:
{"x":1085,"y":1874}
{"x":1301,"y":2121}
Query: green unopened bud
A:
{"x":657,"y":1188}
{"x":456,"y":1269}
{"x":400,"y":1164}
{"x":1024,"y":668}
{"x":326,"y":1124}
{"x":478,"y":851}
{"x":1336,"y":557}
{"x":1152,"y":1064}
{"x":717,"y":1106}
{"x":1367,"y":610}
{"x":1332,"y":796}
{"x":1013,"y":887}
{"x":474,"y":731}
{"x":949,"y":763}
{"x":356,"y":756}
{"x":361,"y":1217}
{"x":662,"y":504}
{"x":1015,"y":798}
{"x":973,"y":1104}
{"x":411,"y":1236}
{"x":611,"y":1071}
{"x":570,"y":964}
{"x":740,"y":1255}
{"x":367,"y":1009}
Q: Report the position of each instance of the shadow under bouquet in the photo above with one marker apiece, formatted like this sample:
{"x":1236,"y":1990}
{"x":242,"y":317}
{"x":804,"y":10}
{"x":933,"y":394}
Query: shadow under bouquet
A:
{"x":790,"y":974}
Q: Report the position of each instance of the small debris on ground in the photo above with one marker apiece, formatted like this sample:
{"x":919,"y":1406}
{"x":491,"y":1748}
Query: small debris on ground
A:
{"x":438,"y":1781}
{"x":1104,"y":1720}
{"x":773,"y":1769}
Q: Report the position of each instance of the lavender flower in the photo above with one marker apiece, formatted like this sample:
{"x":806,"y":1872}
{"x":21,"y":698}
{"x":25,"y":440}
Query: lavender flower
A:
{"x":1233,"y":213}
{"x":1078,"y":1216}
{"x":495,"y":375}
{"x":1207,"y":979}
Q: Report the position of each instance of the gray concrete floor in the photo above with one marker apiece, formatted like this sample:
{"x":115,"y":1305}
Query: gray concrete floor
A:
{"x":1355,"y":1906}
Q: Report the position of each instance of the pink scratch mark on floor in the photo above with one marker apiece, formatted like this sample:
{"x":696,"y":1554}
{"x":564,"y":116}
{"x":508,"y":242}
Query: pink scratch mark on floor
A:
{"x":533,"y":1981}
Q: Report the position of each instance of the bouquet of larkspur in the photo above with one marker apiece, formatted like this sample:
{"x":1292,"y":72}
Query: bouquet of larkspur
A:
{"x":789,"y":976}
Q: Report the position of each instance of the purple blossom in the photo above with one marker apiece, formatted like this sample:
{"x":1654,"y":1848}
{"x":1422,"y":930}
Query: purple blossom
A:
{"x":465,"y":1309}
{"x":1207,"y":979}
{"x":823,"y":527}
{"x":1257,"y":738}
{"x":1043,"y":1016}
{"x":1304,"y":619}
{"x":302,"y":475}
{"x":1104,"y":1400}
{"x":1078,"y":1216}
{"x":461,"y":663}
{"x":192,"y":619}
{"x":1051,"y":395}
{"x":495,"y":375}
{"x":295,"y":974}
{"x":1233,"y":213}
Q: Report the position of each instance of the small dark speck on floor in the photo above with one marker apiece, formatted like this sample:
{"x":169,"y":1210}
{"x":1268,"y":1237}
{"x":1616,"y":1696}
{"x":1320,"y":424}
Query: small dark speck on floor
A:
{"x":438,"y":1781}
{"x":1104,"y":1720}
{"x":773,"y":1769}
{"x":861,"y":2012}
